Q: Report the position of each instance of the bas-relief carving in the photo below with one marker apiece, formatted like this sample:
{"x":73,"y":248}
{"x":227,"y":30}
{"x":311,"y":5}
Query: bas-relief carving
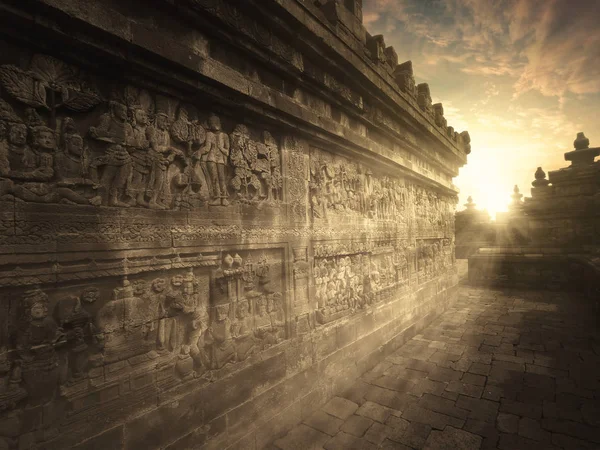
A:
{"x":196,"y":321}
{"x":346,"y":281}
{"x":343,"y":188}
{"x":144,"y":150}
{"x":340,"y":186}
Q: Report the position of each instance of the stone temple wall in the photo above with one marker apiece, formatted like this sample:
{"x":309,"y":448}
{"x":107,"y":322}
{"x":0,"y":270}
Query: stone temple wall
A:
{"x":213,"y":216}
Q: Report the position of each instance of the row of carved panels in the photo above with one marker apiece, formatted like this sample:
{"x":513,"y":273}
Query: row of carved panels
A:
{"x":69,"y":137}
{"x":196,"y":321}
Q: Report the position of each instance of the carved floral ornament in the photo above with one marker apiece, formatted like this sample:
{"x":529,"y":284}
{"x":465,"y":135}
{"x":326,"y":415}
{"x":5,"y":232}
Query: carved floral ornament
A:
{"x":145,"y":150}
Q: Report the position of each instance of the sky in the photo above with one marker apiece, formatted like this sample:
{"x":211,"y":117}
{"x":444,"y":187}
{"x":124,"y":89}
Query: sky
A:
{"x":522,"y":76}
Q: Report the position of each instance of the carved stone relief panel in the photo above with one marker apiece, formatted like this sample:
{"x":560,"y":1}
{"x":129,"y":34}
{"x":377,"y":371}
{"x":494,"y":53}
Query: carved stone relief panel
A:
{"x":174,"y":325}
{"x":434,"y":256}
{"x":296,"y":160}
{"x":67,"y":136}
{"x":352,"y":275}
{"x":341,"y":187}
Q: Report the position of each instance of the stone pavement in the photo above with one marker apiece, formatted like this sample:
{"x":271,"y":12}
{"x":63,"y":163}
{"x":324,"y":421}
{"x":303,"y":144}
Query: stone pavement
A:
{"x":499,"y":370}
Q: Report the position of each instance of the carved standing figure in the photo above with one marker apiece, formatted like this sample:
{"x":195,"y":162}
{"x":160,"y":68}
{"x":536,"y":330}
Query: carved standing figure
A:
{"x":218,"y":336}
{"x":36,"y":339}
{"x":113,"y":126}
{"x":80,"y":331}
{"x":162,"y":155}
{"x":242,"y":331}
{"x":138,"y":144}
{"x":116,"y":175}
{"x":213,"y":157}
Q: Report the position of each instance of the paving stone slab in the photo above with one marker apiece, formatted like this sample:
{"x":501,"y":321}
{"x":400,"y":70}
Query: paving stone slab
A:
{"x":428,"y":417}
{"x":445,"y":375}
{"x":465,"y":389}
{"x":531,"y":429}
{"x":340,"y":407}
{"x":374,"y":411}
{"x":470,"y":378}
{"x":378,"y":433}
{"x":452,"y":439}
{"x":392,"y":445}
{"x":521,"y":409}
{"x":356,"y":425}
{"x":507,"y":423}
{"x":570,"y":428}
{"x":345,"y":441}
{"x":324,"y":422}
{"x":302,"y":437}
{"x":479,"y":368}
{"x":480,"y":409}
{"x":442,"y":405}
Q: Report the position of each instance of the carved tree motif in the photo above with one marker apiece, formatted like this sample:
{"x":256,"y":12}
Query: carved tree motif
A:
{"x":49,"y":84}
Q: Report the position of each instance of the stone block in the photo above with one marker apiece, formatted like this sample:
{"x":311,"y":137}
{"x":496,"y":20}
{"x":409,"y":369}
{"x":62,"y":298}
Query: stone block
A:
{"x":442,"y":405}
{"x":324,"y":422}
{"x":452,"y":438}
{"x":302,"y":437}
{"x":340,"y":407}
{"x":356,"y":425}
{"x":374,"y":411}
{"x":345,"y":441}
{"x":435,"y":420}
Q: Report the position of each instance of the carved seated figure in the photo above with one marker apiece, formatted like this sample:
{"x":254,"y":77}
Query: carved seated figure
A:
{"x":218,"y":337}
{"x":242,"y":332}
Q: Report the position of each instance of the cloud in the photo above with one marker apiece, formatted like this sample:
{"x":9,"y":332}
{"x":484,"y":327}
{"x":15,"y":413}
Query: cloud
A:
{"x":551,"y":46}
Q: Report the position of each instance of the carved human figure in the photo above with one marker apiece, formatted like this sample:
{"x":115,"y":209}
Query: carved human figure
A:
{"x":213,"y":158}
{"x":162,"y":155}
{"x":277,"y":316}
{"x":191,"y":134}
{"x":138,"y":145}
{"x":197,"y":343}
{"x":31,"y":164}
{"x":218,"y":336}
{"x":116,"y":175}
{"x":113,"y":126}
{"x":36,"y":338}
{"x":166,"y":337}
{"x":242,"y":332}
{"x":77,"y":324}
{"x":263,"y":326}
{"x":270,"y":171}
{"x":72,"y":159}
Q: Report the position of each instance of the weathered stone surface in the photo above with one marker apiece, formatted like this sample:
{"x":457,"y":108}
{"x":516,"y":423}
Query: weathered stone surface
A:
{"x":301,"y":438}
{"x":204,"y":226}
{"x":357,"y":425}
{"x":452,"y":438}
{"x":340,"y":407}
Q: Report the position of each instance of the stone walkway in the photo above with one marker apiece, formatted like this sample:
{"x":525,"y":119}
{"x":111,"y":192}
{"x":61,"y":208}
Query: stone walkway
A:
{"x":500,"y":370}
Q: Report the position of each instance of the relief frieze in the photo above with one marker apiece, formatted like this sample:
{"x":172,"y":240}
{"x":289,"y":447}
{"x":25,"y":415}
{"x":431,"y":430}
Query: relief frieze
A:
{"x":67,"y":137}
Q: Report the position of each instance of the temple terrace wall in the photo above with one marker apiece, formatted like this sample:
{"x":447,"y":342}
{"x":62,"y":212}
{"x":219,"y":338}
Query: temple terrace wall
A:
{"x":213,"y":218}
